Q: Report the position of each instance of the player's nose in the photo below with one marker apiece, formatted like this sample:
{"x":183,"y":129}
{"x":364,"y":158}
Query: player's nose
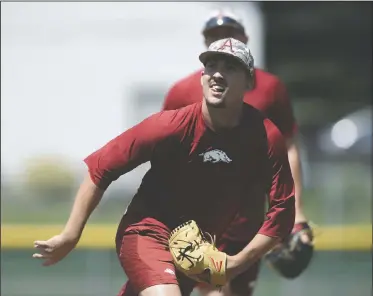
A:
{"x":218,"y":75}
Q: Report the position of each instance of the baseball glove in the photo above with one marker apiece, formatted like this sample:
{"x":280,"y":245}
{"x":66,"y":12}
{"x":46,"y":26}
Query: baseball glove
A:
{"x":197,"y":257}
{"x":292,"y":256}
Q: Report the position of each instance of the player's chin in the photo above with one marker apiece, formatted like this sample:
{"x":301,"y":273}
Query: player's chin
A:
{"x":216,"y":102}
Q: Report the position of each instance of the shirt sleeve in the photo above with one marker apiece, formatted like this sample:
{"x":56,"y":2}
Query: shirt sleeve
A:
{"x":281,"y":110}
{"x":131,"y":148}
{"x":281,"y":213}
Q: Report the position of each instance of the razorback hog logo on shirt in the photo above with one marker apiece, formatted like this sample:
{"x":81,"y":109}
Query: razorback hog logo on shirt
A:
{"x":215,"y":156}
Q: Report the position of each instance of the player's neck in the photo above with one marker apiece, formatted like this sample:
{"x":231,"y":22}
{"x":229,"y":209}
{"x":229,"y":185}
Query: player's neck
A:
{"x":221,"y":118}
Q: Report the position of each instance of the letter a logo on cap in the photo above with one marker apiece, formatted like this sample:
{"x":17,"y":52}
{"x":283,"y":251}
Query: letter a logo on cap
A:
{"x":227,"y":43}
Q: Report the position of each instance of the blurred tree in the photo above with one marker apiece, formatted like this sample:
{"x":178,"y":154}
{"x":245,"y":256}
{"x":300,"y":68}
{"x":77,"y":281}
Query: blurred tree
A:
{"x":49,"y":178}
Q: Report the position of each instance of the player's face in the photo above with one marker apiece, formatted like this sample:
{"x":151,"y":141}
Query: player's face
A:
{"x":224,"y":81}
{"x":222,"y":33}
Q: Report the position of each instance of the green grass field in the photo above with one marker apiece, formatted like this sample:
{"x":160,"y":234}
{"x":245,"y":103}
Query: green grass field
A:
{"x":97,"y":273}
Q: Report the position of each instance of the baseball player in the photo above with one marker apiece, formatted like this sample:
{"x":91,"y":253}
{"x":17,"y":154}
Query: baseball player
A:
{"x":206,"y":160}
{"x":269,"y":96}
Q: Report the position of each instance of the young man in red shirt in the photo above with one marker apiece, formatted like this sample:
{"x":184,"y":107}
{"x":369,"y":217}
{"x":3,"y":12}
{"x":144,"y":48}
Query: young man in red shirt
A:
{"x":209,"y":161}
{"x":269,"y":96}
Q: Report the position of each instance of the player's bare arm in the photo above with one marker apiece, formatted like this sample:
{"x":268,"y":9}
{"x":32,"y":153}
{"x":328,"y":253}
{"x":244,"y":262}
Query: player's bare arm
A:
{"x":56,"y":248}
{"x":287,"y":123}
{"x":255,"y":250}
{"x":296,"y":170}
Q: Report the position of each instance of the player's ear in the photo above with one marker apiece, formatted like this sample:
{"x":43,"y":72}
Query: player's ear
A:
{"x":202,"y":73}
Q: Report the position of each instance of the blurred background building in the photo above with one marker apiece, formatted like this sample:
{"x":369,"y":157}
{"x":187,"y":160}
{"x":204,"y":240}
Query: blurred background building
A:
{"x":75,"y":75}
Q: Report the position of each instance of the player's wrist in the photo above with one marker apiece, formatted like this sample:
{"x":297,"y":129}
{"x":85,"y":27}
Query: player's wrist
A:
{"x":240,"y":262}
{"x":235,"y":266}
{"x":72,"y":235}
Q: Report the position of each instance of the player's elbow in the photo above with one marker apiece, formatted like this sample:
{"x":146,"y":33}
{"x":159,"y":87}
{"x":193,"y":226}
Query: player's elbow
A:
{"x":98,"y":180}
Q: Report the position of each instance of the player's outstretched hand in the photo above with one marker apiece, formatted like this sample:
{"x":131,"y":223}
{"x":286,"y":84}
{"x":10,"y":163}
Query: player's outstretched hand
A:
{"x":54,"y":249}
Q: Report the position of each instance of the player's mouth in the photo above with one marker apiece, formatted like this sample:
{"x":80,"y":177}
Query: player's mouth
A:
{"x":218,"y":89}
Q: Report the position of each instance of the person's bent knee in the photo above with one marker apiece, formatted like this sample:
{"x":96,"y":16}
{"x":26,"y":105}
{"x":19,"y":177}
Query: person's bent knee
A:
{"x":161,"y":290}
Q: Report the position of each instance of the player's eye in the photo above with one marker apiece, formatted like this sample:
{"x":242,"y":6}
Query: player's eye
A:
{"x":210,"y":64}
{"x":231,"y":67}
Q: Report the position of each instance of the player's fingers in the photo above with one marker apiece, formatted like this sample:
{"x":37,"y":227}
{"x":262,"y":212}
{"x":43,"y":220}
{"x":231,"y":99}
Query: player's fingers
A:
{"x":41,"y":256}
{"x":46,"y":250}
{"x":41,"y":244}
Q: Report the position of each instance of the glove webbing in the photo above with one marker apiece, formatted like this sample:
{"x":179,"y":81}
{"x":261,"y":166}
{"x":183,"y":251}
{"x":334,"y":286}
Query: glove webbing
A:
{"x":192,"y":245}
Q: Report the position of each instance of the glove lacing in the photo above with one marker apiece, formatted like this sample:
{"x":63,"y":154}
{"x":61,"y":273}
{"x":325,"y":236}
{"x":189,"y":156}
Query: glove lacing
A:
{"x":193,"y":245}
